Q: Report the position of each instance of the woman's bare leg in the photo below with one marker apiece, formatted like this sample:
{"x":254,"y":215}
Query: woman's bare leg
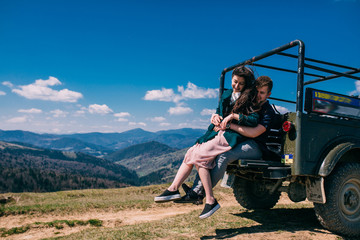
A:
{"x":183,"y":172}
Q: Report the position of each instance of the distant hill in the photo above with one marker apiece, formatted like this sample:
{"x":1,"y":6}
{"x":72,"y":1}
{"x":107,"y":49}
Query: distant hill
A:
{"x":143,"y":150}
{"x":153,"y":162}
{"x":24,"y":168}
{"x":51,"y":141}
{"x":178,"y":138}
{"x":161,"y":169}
{"x":76,"y":145}
{"x":101,"y":144}
{"x":115,"y":141}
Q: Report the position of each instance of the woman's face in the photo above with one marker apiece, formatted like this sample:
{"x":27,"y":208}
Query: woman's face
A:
{"x":238,"y":83}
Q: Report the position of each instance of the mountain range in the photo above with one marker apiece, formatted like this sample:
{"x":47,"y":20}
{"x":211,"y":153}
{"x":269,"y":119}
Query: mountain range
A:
{"x":24,"y":168}
{"x":102,"y":144}
{"x":154,"y":162}
{"x":49,"y":162}
{"x":145,"y":150}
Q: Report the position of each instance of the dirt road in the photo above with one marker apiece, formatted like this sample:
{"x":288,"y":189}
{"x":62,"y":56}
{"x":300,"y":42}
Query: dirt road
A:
{"x":133,"y":217}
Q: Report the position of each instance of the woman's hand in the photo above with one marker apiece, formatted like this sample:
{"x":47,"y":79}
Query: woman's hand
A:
{"x":216,"y":119}
{"x":226,"y":120}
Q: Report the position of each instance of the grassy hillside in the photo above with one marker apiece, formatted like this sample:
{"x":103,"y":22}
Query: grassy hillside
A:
{"x":130,"y":213}
{"x":156,"y":168}
{"x":31,"y":169}
{"x":145,"y":164}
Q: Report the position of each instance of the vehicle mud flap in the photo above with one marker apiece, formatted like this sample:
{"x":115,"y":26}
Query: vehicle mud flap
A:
{"x":315,"y":190}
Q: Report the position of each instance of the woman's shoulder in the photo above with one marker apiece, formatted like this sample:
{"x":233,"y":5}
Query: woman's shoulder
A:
{"x":227,"y":93}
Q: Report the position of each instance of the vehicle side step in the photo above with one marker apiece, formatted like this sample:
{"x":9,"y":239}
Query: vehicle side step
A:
{"x":260,"y":163}
{"x":270,"y":169}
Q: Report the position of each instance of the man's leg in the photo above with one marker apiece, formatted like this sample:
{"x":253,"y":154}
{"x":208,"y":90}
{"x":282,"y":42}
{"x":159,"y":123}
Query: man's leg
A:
{"x":245,"y":150}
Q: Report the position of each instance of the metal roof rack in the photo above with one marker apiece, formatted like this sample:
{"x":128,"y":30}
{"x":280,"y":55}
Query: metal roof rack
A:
{"x":349,"y":71}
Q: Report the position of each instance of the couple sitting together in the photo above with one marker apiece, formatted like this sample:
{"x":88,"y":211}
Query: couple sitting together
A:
{"x":238,"y":130}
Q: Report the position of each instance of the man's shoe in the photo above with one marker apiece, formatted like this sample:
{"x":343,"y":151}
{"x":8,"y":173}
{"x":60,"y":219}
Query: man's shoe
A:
{"x":209,"y":210}
{"x":167,"y":196}
{"x":191,"y":197}
{"x":186,"y":188}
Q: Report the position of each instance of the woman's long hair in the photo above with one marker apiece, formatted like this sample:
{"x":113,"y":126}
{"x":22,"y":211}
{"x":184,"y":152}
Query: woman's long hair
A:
{"x":247,"y":102}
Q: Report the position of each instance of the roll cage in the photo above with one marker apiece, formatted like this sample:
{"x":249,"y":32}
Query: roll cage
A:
{"x":302,"y":65}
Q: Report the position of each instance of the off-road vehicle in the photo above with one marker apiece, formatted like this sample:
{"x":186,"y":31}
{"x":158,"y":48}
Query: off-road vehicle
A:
{"x":314,"y":152}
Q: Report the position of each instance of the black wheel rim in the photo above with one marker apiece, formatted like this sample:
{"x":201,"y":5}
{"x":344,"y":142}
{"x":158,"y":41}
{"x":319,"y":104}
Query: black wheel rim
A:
{"x":349,"y":200}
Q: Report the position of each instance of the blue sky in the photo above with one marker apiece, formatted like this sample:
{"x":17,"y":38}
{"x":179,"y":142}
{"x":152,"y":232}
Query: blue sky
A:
{"x":111,"y":66}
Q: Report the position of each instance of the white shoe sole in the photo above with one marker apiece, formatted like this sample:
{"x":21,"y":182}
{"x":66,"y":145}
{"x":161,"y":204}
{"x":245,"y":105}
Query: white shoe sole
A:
{"x":211,"y":212}
{"x":167,"y":198}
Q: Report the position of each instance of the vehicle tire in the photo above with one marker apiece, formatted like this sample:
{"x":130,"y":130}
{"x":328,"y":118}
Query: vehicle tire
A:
{"x":254,"y":194}
{"x":341,"y":212}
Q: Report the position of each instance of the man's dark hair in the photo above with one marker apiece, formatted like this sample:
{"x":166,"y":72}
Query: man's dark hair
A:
{"x":263,"y":81}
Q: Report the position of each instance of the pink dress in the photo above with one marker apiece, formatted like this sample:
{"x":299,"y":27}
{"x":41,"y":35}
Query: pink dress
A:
{"x":203,"y":155}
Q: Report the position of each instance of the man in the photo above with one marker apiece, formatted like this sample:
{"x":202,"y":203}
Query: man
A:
{"x":249,"y":149}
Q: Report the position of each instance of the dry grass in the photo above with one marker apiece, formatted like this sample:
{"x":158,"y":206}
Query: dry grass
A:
{"x":286,"y":221}
{"x":228,"y":222}
{"x":64,"y":202}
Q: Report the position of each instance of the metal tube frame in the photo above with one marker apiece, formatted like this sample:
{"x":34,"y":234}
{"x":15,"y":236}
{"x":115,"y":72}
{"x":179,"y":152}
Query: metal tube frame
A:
{"x":300,"y":70}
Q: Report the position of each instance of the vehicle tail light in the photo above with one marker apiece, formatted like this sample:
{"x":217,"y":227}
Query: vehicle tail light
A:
{"x":287,"y":126}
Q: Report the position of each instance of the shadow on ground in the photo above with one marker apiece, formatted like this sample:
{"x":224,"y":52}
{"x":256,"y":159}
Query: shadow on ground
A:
{"x":274,"y":220}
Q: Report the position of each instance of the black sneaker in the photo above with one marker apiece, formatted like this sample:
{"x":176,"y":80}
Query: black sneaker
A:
{"x":186,"y":188}
{"x":168,"y":196}
{"x":209,"y":210}
{"x":191,"y":197}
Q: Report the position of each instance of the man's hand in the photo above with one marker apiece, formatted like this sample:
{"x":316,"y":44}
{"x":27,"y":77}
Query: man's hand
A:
{"x":216,"y":119}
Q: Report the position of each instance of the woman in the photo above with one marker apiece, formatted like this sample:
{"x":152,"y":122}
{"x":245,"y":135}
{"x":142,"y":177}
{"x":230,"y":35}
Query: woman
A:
{"x":237,"y":104}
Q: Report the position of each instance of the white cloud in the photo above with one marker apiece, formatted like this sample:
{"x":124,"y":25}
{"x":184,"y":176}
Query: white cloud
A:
{"x":191,"y":92}
{"x":2,"y":93}
{"x":357,"y":89}
{"x":122,"y":114}
{"x":58,"y":113}
{"x":179,"y":110}
{"x":137,"y":124}
{"x":79,"y":113}
{"x":195,"y":123}
{"x":206,"y":112}
{"x":99,"y":109}
{"x":122,"y":120}
{"x":41,"y":90}
{"x":22,"y":119}
{"x":194,"y":92}
{"x":281,"y":109}
{"x":8,"y":84}
{"x":31,"y":110}
{"x":357,"y":84}
{"x":157,"y":119}
{"x":164,"y":124}
{"x":164,"y":95}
